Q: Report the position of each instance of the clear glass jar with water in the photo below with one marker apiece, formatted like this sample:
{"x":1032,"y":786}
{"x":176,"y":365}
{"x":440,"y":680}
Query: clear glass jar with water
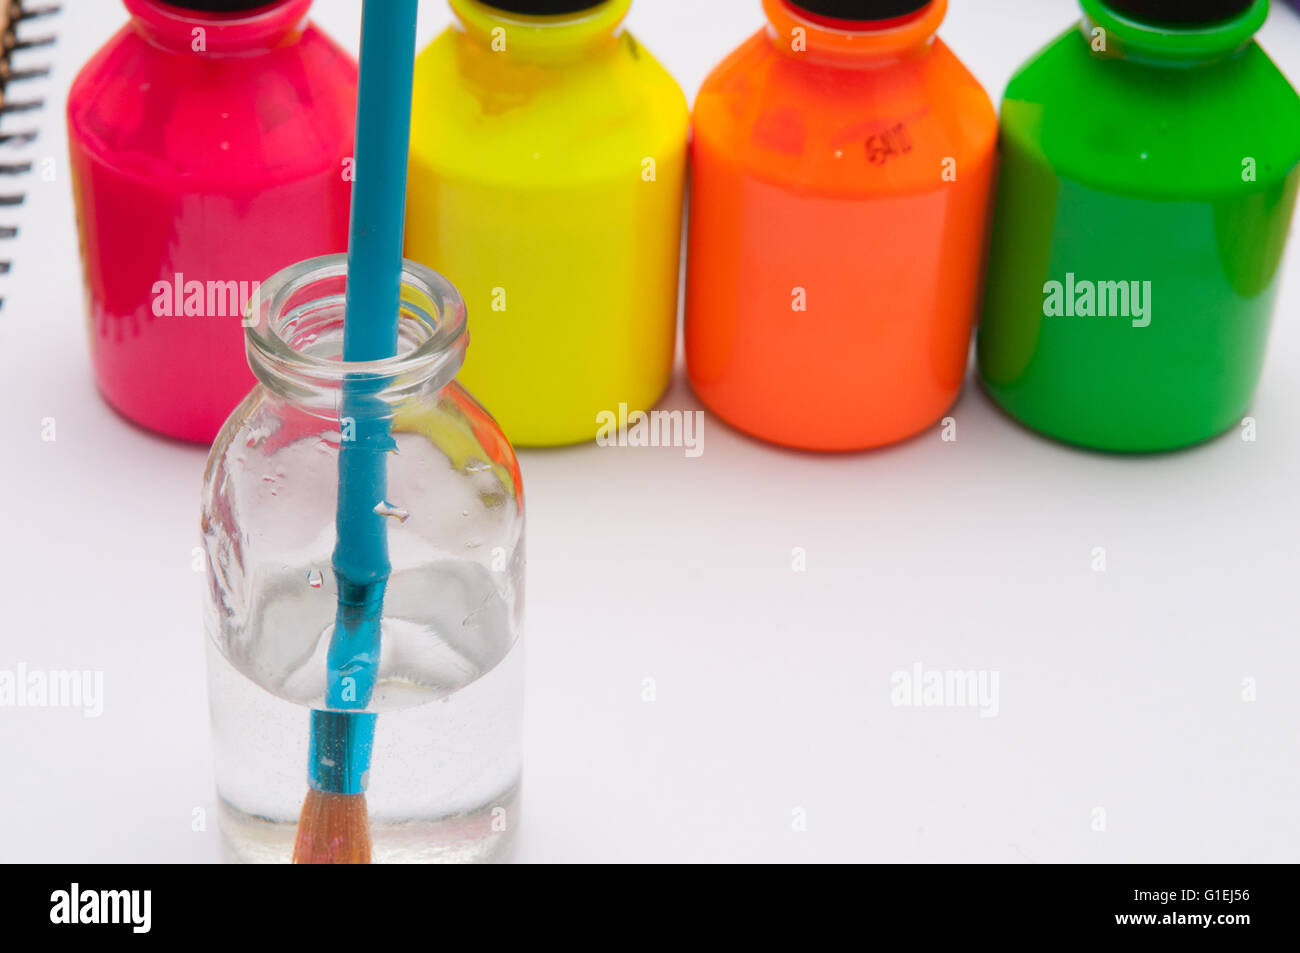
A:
{"x":444,"y":770}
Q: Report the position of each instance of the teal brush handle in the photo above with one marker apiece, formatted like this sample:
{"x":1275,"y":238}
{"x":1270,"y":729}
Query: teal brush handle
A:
{"x":379,"y":190}
{"x":341,"y":740}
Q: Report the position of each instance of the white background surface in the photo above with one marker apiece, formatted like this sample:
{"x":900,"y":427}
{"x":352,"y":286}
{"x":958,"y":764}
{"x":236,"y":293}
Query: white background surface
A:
{"x":1119,"y":690}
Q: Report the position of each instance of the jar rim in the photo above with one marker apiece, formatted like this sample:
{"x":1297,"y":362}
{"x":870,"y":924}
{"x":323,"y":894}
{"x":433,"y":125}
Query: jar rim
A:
{"x":1156,"y":43}
{"x":542,"y":35}
{"x":171,"y":26}
{"x":441,"y":329}
{"x":832,"y":44}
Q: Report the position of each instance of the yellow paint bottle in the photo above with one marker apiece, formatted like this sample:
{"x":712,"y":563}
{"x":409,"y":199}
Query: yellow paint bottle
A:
{"x":548,"y":159}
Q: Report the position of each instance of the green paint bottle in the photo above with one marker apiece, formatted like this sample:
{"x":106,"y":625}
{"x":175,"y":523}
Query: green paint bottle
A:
{"x":1150,"y":161}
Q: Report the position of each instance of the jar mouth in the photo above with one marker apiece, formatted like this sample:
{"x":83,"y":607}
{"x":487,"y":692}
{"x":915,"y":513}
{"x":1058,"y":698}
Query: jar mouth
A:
{"x":553,"y":35}
{"x":294,"y":334}
{"x":172,"y":26}
{"x":1186,"y":44}
{"x":863,"y":44}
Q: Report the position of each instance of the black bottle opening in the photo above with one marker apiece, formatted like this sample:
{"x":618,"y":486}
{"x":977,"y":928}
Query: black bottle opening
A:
{"x":863,"y":10}
{"x":221,"y":6}
{"x":1180,"y":13}
{"x":543,"y":8}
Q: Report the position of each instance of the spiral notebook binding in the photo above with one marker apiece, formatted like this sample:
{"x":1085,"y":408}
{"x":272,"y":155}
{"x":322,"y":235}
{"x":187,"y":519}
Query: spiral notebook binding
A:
{"x":17,"y":127}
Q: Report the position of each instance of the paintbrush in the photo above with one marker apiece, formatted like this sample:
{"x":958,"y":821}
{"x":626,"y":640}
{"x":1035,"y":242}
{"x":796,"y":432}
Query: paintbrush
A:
{"x":334,"y":827}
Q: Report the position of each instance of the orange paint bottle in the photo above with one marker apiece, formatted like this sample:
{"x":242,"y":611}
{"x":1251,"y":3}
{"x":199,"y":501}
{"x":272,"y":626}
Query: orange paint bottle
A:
{"x":843,"y":160}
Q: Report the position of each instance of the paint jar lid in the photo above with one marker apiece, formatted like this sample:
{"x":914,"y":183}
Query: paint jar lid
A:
{"x":860,"y":9}
{"x":1180,"y":13}
{"x":543,"y":8}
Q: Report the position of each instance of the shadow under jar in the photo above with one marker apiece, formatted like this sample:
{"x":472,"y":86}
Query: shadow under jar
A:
{"x":445,"y":767}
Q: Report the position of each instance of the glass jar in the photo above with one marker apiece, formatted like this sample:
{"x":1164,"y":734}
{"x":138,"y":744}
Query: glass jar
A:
{"x":208,"y":150}
{"x":445,"y":765}
{"x":1150,"y":164}
{"x":545,"y":139}
{"x":841,"y":165}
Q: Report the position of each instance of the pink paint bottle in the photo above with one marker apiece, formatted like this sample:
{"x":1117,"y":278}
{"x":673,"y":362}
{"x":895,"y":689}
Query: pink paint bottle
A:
{"x":210,"y":144}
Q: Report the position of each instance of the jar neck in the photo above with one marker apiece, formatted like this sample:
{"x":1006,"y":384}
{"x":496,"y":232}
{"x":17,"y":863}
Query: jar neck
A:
{"x":198,"y":33}
{"x":294,"y":339}
{"x":1114,"y":34}
{"x":848,"y":44}
{"x":542,"y":39}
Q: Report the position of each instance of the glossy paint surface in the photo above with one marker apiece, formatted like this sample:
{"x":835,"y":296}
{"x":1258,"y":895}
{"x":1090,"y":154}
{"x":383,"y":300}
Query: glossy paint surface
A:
{"x":197,"y":174}
{"x":838,"y":221}
{"x":1164,"y":160}
{"x":548,"y":162}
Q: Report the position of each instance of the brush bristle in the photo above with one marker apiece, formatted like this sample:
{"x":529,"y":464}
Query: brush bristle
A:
{"x":333,"y":829}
